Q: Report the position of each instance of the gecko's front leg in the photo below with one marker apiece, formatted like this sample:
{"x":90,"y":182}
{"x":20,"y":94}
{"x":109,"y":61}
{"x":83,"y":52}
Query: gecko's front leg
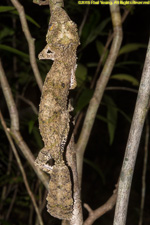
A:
{"x":46,"y":53}
{"x":42,"y":159}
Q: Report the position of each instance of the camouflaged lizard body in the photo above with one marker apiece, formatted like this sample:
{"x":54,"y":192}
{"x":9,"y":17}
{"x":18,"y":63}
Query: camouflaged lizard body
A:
{"x":54,"y":112}
{"x":59,"y":197}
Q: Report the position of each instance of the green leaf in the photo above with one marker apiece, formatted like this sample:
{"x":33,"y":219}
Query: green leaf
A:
{"x":83,"y":99}
{"x":24,"y":78}
{"x":124,"y":115}
{"x":4,"y":222}
{"x":126,"y":77}
{"x":14,"y":50}
{"x":37,"y":137}
{"x":93,"y":20}
{"x":6,"y":8}
{"x":81,"y":74}
{"x":131,"y":47}
{"x":29,"y":18}
{"x":91,"y":64}
{"x":6,"y":32}
{"x":126,"y":63}
{"x":96,"y":168}
{"x":12,"y":9}
{"x":31,"y":125}
{"x":100,"y":48}
{"x":104,"y":119}
{"x":4,"y":180}
{"x":94,"y":32}
{"x":112,"y":115}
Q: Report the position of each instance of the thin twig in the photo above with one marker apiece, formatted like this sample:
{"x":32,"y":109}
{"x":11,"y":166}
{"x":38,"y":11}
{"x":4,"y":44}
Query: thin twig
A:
{"x":30,"y":221}
{"x":100,"y":87}
{"x":109,"y":39}
{"x":80,"y":116}
{"x":122,"y":89}
{"x":84,"y":20}
{"x":30,"y":41}
{"x":14,"y":131}
{"x":78,"y":120}
{"x":141,"y":108}
{"x":144,"y":173}
{"x":43,"y":204}
{"x":40,"y":200}
{"x":77,"y":217}
{"x":29,"y":103}
{"x":21,"y":169}
{"x":95,"y":214}
{"x":4,"y":189}
{"x":126,"y":12}
{"x":12,"y":203}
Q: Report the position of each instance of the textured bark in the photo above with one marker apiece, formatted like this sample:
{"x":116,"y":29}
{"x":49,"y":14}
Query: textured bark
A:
{"x":141,"y":108}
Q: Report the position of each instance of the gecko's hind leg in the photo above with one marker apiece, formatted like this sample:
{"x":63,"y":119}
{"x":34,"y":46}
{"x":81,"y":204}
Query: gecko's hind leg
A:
{"x":42,"y":159}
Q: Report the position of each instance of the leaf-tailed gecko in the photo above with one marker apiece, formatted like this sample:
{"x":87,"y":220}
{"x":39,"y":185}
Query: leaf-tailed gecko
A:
{"x":54,"y":111}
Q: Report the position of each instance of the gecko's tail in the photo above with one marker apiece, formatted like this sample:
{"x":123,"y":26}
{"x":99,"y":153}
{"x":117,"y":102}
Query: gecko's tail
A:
{"x":60,"y":202}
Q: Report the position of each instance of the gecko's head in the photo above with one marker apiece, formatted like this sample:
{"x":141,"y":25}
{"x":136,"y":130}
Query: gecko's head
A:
{"x":60,"y":36}
{"x":56,"y":4}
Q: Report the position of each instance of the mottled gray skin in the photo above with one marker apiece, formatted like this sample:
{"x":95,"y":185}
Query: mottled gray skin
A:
{"x":54,"y":112}
{"x":59,"y":198}
{"x":62,"y":39}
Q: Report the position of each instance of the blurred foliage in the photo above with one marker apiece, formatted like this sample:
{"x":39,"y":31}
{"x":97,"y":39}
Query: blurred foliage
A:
{"x":113,"y":118}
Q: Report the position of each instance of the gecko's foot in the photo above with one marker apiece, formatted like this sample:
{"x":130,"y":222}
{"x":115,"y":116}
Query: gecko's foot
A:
{"x":46,"y":53}
{"x":45,"y":167}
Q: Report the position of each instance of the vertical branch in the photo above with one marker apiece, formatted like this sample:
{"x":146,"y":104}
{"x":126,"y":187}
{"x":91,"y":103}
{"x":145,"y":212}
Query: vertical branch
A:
{"x":30,"y":41}
{"x":100,"y":87}
{"x":77,"y":218}
{"x":84,"y":20}
{"x":141,"y":108}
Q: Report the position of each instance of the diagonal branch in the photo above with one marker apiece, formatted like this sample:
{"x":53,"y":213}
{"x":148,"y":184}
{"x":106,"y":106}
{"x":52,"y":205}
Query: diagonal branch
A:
{"x":95,"y":214}
{"x":100,"y":87}
{"x":141,"y":108}
{"x":21,"y":169}
{"x":41,"y":2}
{"x":30,"y":41}
{"x":30,"y":103}
{"x":145,"y":164}
{"x":109,"y":40}
{"x":14,"y":131}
